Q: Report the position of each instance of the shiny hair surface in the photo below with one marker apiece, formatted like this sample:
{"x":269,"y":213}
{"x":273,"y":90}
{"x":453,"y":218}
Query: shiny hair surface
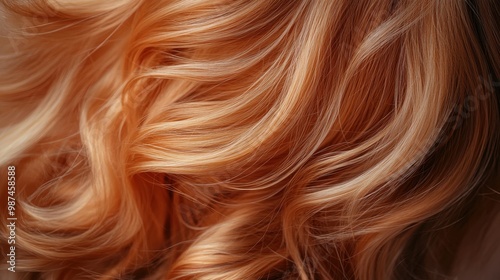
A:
{"x":236,"y":139}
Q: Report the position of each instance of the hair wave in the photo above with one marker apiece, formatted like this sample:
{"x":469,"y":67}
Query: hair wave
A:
{"x":235,"y":139}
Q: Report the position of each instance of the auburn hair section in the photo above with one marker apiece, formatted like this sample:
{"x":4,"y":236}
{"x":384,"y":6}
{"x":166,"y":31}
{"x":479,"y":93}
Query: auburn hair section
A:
{"x":263,"y":139}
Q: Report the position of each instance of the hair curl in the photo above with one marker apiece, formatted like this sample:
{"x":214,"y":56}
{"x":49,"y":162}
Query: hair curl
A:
{"x":235,"y":139}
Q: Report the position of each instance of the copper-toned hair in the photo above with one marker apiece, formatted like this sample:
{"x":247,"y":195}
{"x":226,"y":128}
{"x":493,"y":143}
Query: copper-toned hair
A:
{"x":236,"y":139}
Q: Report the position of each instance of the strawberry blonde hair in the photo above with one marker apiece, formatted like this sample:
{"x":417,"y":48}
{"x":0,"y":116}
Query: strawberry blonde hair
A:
{"x":235,"y":139}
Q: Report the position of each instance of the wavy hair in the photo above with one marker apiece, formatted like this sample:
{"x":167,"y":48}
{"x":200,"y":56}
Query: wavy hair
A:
{"x":235,"y":139}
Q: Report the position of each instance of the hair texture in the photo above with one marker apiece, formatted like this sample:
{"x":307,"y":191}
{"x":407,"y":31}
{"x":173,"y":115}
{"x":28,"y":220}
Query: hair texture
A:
{"x":235,"y":139}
